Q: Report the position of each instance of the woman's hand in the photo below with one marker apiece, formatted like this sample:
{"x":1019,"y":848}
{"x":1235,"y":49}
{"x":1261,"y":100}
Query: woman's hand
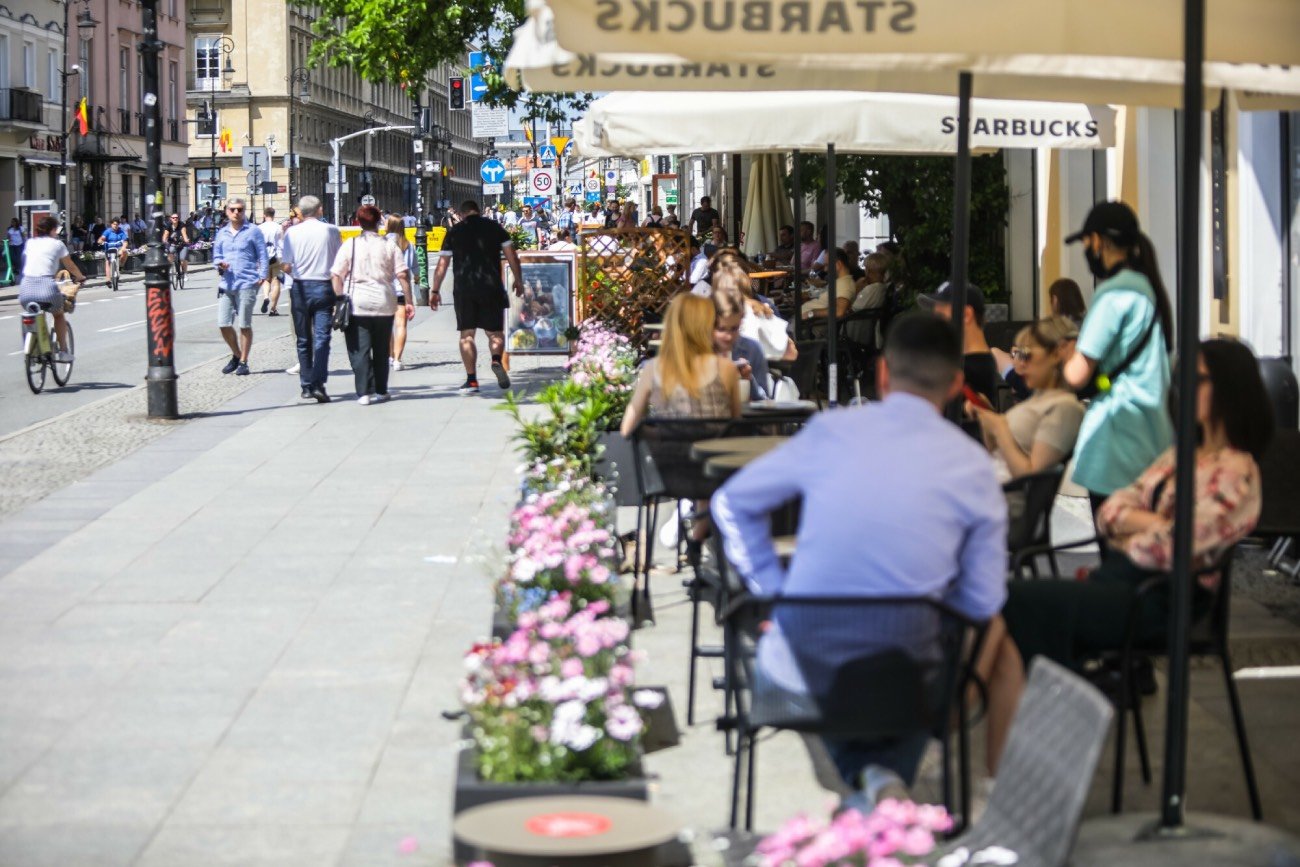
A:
{"x":744,"y":368}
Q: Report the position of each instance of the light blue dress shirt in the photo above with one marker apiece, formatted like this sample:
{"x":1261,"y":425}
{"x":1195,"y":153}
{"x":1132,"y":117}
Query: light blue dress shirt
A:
{"x":245,"y":252}
{"x":897,"y":501}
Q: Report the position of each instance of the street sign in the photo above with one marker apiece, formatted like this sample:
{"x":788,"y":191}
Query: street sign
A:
{"x":542,"y":181}
{"x":593,"y":185}
{"x":492,"y":171}
{"x":494,"y":189}
{"x":367,"y":200}
{"x":270,"y":188}
{"x":611,"y":178}
{"x":417,"y":146}
{"x":593,"y":196}
{"x":255,"y":157}
{"x":478,"y":62}
{"x":343,"y":175}
{"x":489,"y":122}
{"x":547,"y":154}
{"x":560,"y":143}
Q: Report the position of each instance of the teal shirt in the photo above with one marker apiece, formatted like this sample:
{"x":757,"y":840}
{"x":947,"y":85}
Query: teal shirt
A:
{"x":1127,"y":428}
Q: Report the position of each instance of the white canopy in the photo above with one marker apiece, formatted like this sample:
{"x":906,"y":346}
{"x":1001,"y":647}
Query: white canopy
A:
{"x":779,"y":121}
{"x":1237,"y":31}
{"x":538,"y":62}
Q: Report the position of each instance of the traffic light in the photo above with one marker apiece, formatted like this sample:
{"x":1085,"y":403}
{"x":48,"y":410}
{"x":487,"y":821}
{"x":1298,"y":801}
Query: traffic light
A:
{"x":456,"y":92}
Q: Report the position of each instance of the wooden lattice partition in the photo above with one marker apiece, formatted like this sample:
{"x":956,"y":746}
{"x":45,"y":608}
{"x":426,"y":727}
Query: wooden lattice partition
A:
{"x":625,"y":275}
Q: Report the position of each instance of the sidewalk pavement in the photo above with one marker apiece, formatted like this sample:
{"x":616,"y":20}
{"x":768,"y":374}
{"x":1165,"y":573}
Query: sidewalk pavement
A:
{"x":234,"y":645}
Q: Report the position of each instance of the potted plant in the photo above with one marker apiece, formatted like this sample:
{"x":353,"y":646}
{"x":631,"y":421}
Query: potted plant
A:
{"x":91,"y":264}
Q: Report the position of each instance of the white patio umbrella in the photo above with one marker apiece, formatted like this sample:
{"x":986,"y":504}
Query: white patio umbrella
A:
{"x":767,"y":206}
{"x":631,"y":123}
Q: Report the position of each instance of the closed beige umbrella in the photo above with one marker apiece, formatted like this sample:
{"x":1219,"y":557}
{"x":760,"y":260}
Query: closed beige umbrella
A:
{"x":767,"y":207}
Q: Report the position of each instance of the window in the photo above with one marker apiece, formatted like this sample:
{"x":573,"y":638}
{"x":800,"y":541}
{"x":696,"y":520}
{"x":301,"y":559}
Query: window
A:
{"x":124,"y":77}
{"x":29,"y":65}
{"x":171,"y":11}
{"x":207,"y":63}
{"x":55,"y":90}
{"x":4,"y":62}
{"x":172,"y":98}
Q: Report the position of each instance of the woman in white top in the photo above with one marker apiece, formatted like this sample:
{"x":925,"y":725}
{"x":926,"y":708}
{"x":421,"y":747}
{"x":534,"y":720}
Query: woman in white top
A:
{"x":366,"y":269}
{"x":45,"y":253}
{"x":395,"y":231}
{"x":759,"y":323}
{"x":1039,"y":432}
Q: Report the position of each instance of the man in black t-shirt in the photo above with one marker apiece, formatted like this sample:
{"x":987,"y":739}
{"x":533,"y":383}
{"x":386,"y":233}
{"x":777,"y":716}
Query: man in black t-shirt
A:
{"x":474,"y":248}
{"x":703,"y":217}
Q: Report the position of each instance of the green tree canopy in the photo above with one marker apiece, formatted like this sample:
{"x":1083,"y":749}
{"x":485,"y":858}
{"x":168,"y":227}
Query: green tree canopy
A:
{"x":402,"y":41}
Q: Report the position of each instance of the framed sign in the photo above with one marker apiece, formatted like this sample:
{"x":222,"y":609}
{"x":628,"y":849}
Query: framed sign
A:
{"x":536,"y":322}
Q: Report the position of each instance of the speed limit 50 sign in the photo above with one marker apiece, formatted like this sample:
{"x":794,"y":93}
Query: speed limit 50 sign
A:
{"x":542,"y":182}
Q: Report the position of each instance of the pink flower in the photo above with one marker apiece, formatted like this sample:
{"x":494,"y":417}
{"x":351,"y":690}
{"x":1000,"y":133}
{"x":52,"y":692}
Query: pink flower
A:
{"x":571,"y":668}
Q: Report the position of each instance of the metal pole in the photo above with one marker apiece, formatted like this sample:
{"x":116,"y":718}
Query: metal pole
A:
{"x":737,"y":217}
{"x":338,"y":182}
{"x":1174,"y":784}
{"x":63,"y":139}
{"x":797,"y":260}
{"x":293,"y":187}
{"x":961,"y":210}
{"x":421,"y":236}
{"x":212,"y":169}
{"x":832,"y":273}
{"x":161,"y":330}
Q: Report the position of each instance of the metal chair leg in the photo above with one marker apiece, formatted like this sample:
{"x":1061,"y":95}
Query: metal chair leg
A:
{"x":1056,"y":569}
{"x":695,"y":657}
{"x":1121,"y":726}
{"x":1243,"y":746}
{"x":749,"y":788}
{"x":735,"y":782}
{"x":1140,"y":735}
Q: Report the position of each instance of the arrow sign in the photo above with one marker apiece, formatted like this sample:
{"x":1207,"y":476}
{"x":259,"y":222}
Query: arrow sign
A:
{"x":547,"y":154}
{"x":492,"y":171}
{"x":478,"y":63}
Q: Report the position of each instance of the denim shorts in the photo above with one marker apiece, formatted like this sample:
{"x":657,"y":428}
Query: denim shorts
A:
{"x":226,"y":304}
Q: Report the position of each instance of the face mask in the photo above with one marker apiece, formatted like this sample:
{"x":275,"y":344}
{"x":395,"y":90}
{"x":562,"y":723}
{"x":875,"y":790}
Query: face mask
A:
{"x":1095,"y":265}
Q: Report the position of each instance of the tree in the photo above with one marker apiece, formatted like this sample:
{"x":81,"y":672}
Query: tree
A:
{"x":916,"y":194}
{"x":402,"y":41}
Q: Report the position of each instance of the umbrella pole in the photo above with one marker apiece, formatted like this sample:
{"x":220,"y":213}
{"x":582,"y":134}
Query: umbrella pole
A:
{"x":737,"y":215}
{"x":961,"y":209}
{"x":1174,"y":783}
{"x":832,"y":273}
{"x":797,"y":259}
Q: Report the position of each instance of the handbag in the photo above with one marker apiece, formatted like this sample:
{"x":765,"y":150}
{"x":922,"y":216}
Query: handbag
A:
{"x":343,"y":310}
{"x":69,"y":288}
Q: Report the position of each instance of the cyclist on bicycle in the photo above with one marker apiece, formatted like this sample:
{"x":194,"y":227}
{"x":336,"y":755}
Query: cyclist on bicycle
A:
{"x":45,"y":253}
{"x":115,"y":240}
{"x":176,"y":237}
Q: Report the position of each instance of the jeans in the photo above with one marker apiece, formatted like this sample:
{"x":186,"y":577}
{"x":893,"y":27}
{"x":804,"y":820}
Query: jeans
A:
{"x":312,"y":303}
{"x":368,"y":339}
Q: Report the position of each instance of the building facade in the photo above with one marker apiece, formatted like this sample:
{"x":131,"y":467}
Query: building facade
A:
{"x":248,"y":65}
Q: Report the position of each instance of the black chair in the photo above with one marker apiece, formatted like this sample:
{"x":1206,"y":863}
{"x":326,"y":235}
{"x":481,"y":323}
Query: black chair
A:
{"x":1209,"y":637}
{"x":1029,"y":535}
{"x":806,"y":368}
{"x":906,"y":680}
{"x":1279,"y":516}
{"x":859,"y":348}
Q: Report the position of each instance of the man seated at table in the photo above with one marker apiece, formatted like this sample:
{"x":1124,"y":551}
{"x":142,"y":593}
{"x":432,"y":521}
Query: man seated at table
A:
{"x":783,"y":253}
{"x":845,"y":292}
{"x":872,"y":295}
{"x":980,"y":368}
{"x":896,"y":501}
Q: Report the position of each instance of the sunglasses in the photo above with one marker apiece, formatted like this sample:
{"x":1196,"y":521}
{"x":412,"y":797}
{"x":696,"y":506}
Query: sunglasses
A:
{"x":1022,"y":353}
{"x":235,"y":210}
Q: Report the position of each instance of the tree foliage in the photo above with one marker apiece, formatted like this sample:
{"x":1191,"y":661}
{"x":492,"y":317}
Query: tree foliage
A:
{"x":402,"y":41}
{"x":916,"y":194}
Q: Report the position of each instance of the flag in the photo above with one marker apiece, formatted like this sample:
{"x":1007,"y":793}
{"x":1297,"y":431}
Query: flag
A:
{"x":226,"y":140}
{"x":83,"y":117}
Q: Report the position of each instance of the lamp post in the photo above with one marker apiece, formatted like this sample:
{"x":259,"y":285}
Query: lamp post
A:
{"x":160,"y":325}
{"x":417,"y":180}
{"x":85,"y":22}
{"x":226,"y":46}
{"x":300,"y":76}
{"x":336,"y":161}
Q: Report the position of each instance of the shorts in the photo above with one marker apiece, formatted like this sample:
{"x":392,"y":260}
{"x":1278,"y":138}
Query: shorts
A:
{"x":475,"y":311}
{"x":273,"y":271}
{"x":227,"y":302}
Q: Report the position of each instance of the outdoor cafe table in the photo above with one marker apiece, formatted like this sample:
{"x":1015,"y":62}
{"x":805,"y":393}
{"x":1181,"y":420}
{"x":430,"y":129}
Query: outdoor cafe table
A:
{"x":725,"y":465}
{"x":752,"y":446}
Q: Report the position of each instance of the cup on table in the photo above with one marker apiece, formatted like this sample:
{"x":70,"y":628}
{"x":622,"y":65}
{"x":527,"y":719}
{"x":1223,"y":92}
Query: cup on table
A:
{"x":744,"y":391}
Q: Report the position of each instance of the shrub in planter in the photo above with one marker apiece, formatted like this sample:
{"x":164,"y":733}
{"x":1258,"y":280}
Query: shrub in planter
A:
{"x":568,"y":428}
{"x":606,"y":362}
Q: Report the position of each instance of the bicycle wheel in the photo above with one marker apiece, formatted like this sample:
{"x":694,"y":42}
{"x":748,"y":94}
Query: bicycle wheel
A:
{"x":114,"y":271}
{"x":35,"y":364}
{"x":63,"y":369}
{"x":174,"y":276}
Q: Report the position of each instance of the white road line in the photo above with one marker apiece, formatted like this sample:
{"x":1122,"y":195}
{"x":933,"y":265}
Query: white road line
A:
{"x":117,"y":329}
{"x":3,"y":318}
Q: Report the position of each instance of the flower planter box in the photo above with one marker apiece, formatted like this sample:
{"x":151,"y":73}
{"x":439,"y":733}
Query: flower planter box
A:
{"x":91,"y":267}
{"x":197,"y":257}
{"x":472,"y":791}
{"x":133,"y":264}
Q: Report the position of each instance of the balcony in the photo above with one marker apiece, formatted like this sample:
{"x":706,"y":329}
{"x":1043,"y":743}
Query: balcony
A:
{"x":21,"y":107}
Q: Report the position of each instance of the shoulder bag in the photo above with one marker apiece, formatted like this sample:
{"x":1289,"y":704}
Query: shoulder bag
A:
{"x":1105,"y":381}
{"x":343,"y":307}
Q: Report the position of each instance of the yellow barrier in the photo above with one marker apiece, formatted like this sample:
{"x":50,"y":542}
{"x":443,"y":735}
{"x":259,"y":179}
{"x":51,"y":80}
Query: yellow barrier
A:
{"x":433,"y":237}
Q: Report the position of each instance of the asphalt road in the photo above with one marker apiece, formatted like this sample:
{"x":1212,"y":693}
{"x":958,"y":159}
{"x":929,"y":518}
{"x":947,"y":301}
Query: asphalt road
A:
{"x":111,"y":350}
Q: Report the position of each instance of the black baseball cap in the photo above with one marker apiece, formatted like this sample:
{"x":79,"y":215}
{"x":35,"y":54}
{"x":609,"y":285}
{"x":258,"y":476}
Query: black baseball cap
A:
{"x":1114,"y":220}
{"x":944,"y":295}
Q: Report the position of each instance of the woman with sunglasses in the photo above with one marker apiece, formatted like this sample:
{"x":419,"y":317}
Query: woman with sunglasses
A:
{"x":1039,"y":432}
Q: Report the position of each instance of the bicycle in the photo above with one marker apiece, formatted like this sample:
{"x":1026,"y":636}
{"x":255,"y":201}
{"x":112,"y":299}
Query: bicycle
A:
{"x":39,"y":352}
{"x":114,"y":268}
{"x":176,"y":273}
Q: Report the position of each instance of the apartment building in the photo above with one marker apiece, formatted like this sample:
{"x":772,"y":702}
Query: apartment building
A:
{"x":249,"y":67}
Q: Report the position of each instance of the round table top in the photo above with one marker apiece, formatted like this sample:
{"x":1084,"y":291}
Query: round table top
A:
{"x":766,"y":275}
{"x":561,"y":826}
{"x":736,"y":445}
{"x":721,"y":466}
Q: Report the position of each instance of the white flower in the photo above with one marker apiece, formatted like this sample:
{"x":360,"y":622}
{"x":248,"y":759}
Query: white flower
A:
{"x":647,"y":698}
{"x":583,"y":737}
{"x":593,"y":688}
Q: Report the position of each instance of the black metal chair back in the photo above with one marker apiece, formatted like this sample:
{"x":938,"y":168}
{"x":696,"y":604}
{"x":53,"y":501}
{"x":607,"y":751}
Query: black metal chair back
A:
{"x":807,"y":366}
{"x":1030,"y":499}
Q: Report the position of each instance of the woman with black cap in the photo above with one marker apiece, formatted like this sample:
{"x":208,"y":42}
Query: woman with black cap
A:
{"x":1123,"y":349}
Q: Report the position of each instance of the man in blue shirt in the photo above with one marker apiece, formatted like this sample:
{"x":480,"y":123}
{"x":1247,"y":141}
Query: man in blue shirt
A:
{"x":896,"y":501}
{"x":240,"y":256}
{"x":114,"y":240}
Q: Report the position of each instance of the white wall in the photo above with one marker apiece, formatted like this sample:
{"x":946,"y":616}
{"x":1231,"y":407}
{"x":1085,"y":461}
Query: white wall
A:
{"x":1021,"y":246}
{"x":1260,"y":258}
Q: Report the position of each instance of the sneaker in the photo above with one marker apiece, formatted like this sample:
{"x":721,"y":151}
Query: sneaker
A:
{"x":266,"y":304}
{"x":320,"y":395}
{"x":503,"y":378}
{"x":396,"y":363}
{"x":364,"y":400}
{"x":470,"y":386}
{"x":293,"y":371}
{"x":242,"y":369}
{"x":62,"y":356}
{"x":380,"y":398}
{"x":231,"y":365}
{"x":306,"y":394}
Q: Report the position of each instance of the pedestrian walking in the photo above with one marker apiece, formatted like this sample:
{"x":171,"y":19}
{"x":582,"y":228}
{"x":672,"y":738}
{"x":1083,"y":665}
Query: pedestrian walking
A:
{"x":474,"y":249}
{"x":395,"y":230}
{"x":240,"y":255}
{"x":273,"y":235}
{"x":16,"y":238}
{"x":307,"y":253}
{"x":366,"y":270}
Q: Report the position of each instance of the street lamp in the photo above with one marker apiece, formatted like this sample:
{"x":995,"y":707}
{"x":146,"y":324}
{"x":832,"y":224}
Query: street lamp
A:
{"x":226,"y":46}
{"x":301,"y":76}
{"x":85,"y":23}
{"x":369,"y":118}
